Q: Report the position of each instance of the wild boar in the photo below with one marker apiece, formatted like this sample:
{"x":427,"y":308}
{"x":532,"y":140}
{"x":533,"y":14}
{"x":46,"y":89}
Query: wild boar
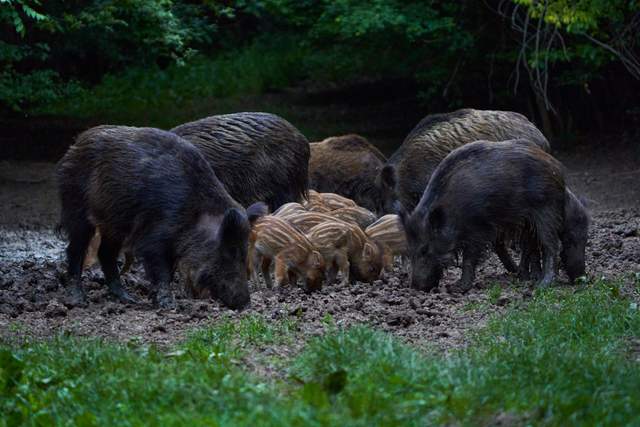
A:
{"x":355,"y":215}
{"x":326,"y":202}
{"x":484,"y":189}
{"x":343,"y":246}
{"x":290,"y":208}
{"x":389,"y":234}
{"x":156,"y":192}
{"x":406,"y":174}
{"x":347,"y":165}
{"x":256,"y":156}
{"x":305,"y":221}
{"x":273,"y":239}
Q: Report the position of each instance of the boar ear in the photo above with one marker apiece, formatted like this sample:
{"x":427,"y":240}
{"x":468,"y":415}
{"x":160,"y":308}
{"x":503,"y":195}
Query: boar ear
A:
{"x":255,"y":211}
{"x":369,"y":250}
{"x":437,"y":219}
{"x":234,"y":229}
{"x":388,"y":177}
{"x":316,"y":259}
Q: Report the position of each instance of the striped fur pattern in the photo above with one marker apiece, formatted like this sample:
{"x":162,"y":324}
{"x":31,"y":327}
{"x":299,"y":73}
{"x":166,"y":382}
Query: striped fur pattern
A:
{"x":257,"y":156}
{"x":406,"y":174}
{"x":274,"y":239}
{"x":345,"y":246}
{"x":326,"y":202}
{"x":305,"y":221}
{"x":355,"y":215}
{"x":347,"y":165}
{"x":290,"y":208}
{"x":388,"y":232}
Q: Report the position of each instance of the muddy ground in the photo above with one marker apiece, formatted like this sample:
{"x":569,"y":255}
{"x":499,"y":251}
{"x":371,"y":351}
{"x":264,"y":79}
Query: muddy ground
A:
{"x":32,"y":293}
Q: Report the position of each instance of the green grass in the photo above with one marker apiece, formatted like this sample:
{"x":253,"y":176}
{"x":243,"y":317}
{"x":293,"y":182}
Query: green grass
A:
{"x":564,"y":359}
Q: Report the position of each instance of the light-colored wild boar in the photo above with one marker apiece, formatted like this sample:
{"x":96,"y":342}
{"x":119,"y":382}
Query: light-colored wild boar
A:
{"x":406,"y":174}
{"x":326,"y":202}
{"x":289,"y":209}
{"x":340,"y":242}
{"x":305,"y":221}
{"x":274,"y":239}
{"x":355,"y":215}
{"x":387,"y":231}
{"x":347,"y":165}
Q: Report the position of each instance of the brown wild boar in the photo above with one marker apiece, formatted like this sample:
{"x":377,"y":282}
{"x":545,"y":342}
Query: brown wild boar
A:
{"x":326,"y":202}
{"x":274,"y":239}
{"x":355,"y":215}
{"x":406,"y":174}
{"x":358,"y":258}
{"x":305,"y":221}
{"x":389,"y":234}
{"x":154,"y":192}
{"x":347,"y":165}
{"x":289,"y":209}
{"x":482,"y":190}
{"x":256,"y":156}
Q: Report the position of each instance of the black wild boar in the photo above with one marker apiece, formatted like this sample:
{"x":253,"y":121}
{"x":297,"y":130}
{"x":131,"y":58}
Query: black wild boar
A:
{"x":257,"y":156}
{"x":406,"y":175}
{"x":347,"y":165}
{"x":485,"y":189}
{"x":155,"y":191}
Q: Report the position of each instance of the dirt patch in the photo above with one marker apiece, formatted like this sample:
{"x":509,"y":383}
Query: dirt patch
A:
{"x":32,"y":290}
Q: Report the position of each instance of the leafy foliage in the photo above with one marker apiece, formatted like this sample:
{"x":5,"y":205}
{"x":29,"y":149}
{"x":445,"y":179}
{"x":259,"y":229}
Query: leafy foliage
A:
{"x":458,"y":53}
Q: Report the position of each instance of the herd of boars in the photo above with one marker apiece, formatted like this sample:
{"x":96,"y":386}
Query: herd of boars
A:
{"x":225,"y":198}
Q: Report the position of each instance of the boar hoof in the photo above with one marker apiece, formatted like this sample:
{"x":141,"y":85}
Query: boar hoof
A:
{"x":118,"y":291}
{"x":77,"y":296}
{"x":460,"y":287}
{"x":164,"y":299}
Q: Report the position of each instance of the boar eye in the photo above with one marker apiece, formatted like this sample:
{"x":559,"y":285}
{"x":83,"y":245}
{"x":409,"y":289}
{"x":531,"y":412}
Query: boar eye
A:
{"x":424,"y":250}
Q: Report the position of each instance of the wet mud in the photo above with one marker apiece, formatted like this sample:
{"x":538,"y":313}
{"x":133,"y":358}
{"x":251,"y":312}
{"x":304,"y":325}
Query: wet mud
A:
{"x":32,"y":290}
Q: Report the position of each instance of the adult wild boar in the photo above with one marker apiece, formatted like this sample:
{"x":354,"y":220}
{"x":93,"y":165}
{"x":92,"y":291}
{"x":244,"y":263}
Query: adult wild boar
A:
{"x":157,"y":192}
{"x":485,"y":189}
{"x":347,"y":165}
{"x":256,"y":156}
{"x":406,"y":175}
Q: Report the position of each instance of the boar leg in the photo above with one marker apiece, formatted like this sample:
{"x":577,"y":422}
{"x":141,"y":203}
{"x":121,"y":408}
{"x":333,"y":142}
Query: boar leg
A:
{"x":293,"y":277}
{"x":332,"y":273}
{"x":534,"y":263}
{"x":342,"y":262}
{"x":529,"y":268}
{"x":266,"y":273}
{"x":79,"y":238}
{"x":281,"y":272}
{"x":505,"y":257}
{"x":108,"y":257}
{"x":548,"y":264}
{"x":158,"y":266}
{"x":128,"y":262}
{"x":470,"y":260}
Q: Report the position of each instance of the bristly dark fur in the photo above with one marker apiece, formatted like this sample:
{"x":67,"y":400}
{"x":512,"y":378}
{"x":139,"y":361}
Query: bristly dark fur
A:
{"x":347,"y":165}
{"x":257,"y":156}
{"x":439,"y":134}
{"x":479,"y":191}
{"x":158,"y":192}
